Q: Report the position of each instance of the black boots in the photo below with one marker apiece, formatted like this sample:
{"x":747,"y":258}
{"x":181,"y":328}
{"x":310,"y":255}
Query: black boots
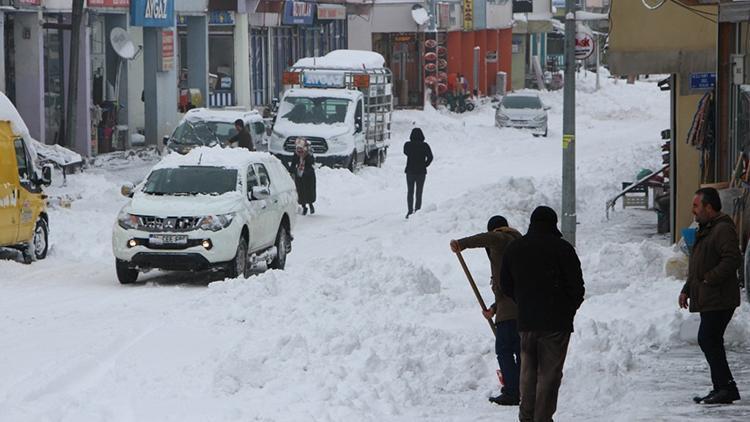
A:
{"x":312,"y":209}
{"x":725,"y":395}
{"x":304,"y":210}
{"x":506,"y":399}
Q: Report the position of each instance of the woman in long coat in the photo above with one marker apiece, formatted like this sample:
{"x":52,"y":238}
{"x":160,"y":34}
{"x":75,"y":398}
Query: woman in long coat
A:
{"x":304,"y":175}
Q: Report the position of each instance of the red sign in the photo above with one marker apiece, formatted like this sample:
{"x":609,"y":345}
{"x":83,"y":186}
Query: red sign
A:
{"x":167,"y":50}
{"x":30,"y":2}
{"x":584,"y":45}
{"x":109,"y":3}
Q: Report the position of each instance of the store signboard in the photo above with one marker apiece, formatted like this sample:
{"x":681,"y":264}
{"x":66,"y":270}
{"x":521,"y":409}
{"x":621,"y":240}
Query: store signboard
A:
{"x":702,"y":80}
{"x":523,"y":6}
{"x":298,"y":13}
{"x":444,"y":15}
{"x":109,"y":3}
{"x":29,"y":2}
{"x":468,"y":15}
{"x":167,"y":50}
{"x":331,"y":12}
{"x":152,"y":13}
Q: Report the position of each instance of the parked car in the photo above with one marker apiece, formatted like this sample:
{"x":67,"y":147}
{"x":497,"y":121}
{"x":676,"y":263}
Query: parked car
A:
{"x":24,"y":224}
{"x":210,"y":127}
{"x":211,"y":209}
{"x":525,"y":111}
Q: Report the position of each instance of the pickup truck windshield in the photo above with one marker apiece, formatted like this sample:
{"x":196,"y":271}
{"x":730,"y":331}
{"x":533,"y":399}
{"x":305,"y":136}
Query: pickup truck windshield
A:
{"x":203,"y":133}
{"x":322,"y":110}
{"x":521,"y":102}
{"x":191,"y":180}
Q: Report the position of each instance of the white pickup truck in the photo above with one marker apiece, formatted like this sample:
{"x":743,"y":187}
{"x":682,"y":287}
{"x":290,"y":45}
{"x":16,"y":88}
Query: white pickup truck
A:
{"x":341,"y":104}
{"x":214,"y":209}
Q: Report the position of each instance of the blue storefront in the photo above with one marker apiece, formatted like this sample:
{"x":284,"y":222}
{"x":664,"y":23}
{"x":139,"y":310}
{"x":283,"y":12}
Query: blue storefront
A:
{"x":157,"y":17}
{"x":307,"y":29}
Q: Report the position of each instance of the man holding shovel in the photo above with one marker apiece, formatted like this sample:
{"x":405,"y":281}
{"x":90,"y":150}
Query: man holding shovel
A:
{"x":507,"y":342}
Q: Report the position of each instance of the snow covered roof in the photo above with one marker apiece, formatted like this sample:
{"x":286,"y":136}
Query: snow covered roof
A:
{"x":344,"y":59}
{"x":233,"y":158}
{"x":217,"y":115}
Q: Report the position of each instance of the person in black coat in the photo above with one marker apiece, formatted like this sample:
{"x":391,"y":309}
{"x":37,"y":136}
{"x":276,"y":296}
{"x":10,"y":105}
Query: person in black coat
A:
{"x":418,"y":158}
{"x":542,"y":273}
{"x":304,"y":175}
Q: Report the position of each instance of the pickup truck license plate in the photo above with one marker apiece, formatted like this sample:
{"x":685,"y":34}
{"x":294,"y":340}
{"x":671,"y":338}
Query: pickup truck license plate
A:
{"x":167,"y":239}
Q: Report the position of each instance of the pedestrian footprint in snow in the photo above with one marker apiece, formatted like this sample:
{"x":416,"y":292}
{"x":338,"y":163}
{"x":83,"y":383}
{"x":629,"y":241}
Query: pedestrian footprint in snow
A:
{"x":713,"y":290}
{"x":418,"y":158}
{"x":542,"y":273}
{"x":304,"y":175}
{"x":507,"y":343}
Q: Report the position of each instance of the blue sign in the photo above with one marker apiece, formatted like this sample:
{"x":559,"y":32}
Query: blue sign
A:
{"x":702,"y":80}
{"x":220,"y":17}
{"x":152,"y":13}
{"x":298,"y":13}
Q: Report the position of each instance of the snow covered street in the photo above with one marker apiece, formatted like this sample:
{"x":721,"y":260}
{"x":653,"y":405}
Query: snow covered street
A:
{"x":373,"y":319}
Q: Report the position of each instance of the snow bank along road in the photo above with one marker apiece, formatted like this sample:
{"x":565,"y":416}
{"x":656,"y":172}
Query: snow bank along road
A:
{"x":373,"y":319}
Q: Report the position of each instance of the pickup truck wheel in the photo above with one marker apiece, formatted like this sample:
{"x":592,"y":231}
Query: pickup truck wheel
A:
{"x":124,"y":274}
{"x":282,"y":246}
{"x":238,"y":266}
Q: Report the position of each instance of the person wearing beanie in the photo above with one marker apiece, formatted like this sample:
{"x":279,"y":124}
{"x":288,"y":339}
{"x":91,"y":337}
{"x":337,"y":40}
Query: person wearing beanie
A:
{"x":507,"y":343}
{"x":541,"y":272}
{"x":418,"y":158}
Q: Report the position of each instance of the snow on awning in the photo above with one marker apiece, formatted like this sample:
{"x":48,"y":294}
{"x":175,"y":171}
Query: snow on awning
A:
{"x":590,"y":16}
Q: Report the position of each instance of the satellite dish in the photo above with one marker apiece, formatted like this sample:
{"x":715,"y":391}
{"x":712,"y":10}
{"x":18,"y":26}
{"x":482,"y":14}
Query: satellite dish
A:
{"x":122,"y":44}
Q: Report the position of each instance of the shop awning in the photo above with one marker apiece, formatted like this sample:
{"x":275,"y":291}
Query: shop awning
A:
{"x":734,"y":12}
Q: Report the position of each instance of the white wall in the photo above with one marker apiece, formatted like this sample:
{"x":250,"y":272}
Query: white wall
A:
{"x":393,"y":18}
{"x":136,"y":110}
{"x":359,"y":33}
{"x":499,"y":16}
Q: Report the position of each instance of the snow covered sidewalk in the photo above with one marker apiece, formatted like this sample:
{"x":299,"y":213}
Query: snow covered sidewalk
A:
{"x":373,"y":320}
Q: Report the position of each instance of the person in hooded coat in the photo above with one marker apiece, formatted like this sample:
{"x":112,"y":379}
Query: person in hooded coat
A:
{"x":507,"y":343}
{"x":304,"y":175}
{"x":542,"y":273}
{"x":418,"y":158}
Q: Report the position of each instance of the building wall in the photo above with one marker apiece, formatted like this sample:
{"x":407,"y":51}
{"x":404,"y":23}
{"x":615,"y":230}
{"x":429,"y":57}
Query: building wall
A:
{"x":518,"y":76}
{"x":136,"y":107}
{"x":687,"y":158}
{"x":461,"y":56}
{"x":30,"y":73}
{"x":360,"y":32}
{"x":640,"y":41}
{"x":500,"y":16}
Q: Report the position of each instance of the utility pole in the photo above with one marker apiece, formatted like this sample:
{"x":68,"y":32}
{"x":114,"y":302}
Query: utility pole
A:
{"x":568,"y":222}
{"x":72,"y":100}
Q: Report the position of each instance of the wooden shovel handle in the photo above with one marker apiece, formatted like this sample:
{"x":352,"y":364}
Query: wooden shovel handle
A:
{"x":474,"y":288}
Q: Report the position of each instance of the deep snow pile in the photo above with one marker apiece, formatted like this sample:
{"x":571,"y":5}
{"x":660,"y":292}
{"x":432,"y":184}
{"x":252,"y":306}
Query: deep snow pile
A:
{"x":373,"y":319}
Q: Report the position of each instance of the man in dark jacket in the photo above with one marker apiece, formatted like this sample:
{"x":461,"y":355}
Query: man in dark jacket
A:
{"x":507,"y":343}
{"x":418,"y":158}
{"x":542,"y":273}
{"x":242,"y":139}
{"x":713,"y":290}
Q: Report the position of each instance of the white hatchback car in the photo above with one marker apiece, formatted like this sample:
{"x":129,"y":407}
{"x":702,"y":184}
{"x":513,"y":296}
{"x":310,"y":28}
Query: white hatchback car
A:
{"x":215,"y":209}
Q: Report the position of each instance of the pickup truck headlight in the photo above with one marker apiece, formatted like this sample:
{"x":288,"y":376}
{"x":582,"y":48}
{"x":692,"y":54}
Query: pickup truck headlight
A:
{"x":128,"y":221}
{"x":215,"y":223}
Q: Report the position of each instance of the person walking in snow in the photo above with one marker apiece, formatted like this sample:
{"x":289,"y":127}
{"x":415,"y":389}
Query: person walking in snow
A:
{"x":507,"y":343}
{"x":542,"y":273}
{"x":418,"y":158}
{"x":712,"y":289}
{"x":304,"y":175}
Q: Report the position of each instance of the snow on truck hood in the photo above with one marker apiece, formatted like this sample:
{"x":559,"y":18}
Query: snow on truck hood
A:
{"x":321,"y":130}
{"x":184,"y":206}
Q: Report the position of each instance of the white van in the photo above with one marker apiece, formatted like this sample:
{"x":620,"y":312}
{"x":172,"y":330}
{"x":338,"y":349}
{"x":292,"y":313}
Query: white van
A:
{"x":228,"y":210}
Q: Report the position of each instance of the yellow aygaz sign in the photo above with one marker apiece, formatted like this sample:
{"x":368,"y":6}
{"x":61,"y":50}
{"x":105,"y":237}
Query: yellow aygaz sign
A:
{"x":468,"y":15}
